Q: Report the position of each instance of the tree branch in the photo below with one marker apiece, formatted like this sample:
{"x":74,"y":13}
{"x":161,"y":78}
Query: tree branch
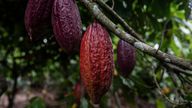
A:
{"x":11,"y":96}
{"x":93,"y":8}
{"x":121,"y":20}
{"x":3,"y":85}
{"x":176,"y":69}
{"x":137,"y":35}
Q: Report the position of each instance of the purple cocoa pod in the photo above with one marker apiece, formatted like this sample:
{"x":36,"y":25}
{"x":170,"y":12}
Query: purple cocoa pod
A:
{"x":125,"y":58}
{"x":66,"y":23}
{"x":38,"y":18}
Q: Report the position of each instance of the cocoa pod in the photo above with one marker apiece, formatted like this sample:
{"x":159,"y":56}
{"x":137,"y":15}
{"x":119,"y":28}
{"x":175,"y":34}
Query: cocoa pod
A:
{"x":78,"y":92}
{"x":96,"y":61}
{"x":66,"y":24}
{"x":38,"y":18}
{"x":126,"y":58}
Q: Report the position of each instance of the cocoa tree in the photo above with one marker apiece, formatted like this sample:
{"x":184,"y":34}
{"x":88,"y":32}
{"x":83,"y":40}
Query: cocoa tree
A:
{"x":158,"y":30}
{"x":130,"y":36}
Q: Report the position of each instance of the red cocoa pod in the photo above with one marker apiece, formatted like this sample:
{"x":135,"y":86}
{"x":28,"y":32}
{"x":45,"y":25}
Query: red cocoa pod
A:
{"x":126,"y":58}
{"x":96,"y":61}
{"x":38,"y":18}
{"x":78,"y":92}
{"x":66,"y":23}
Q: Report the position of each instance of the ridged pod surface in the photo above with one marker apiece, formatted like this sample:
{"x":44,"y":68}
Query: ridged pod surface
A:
{"x":125,"y":58}
{"x":66,"y":23}
{"x":38,"y":18}
{"x":96,"y":61}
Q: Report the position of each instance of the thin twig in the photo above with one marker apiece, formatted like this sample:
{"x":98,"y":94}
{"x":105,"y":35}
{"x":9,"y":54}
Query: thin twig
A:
{"x":14,"y":89}
{"x":163,"y":34}
{"x":167,"y":98}
{"x":117,"y":100}
{"x":113,"y":4}
{"x":161,"y":76}
{"x":173,"y":78}
{"x":177,"y":69}
{"x":175,"y":82}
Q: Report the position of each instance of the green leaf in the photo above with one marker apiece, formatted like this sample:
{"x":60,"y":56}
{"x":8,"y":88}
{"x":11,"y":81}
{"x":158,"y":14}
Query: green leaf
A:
{"x":160,"y":104}
{"x":126,"y":82}
{"x":189,"y":97}
{"x":84,"y":103}
{"x":36,"y":102}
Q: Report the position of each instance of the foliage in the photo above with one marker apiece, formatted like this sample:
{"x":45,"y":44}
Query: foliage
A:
{"x":44,"y":65}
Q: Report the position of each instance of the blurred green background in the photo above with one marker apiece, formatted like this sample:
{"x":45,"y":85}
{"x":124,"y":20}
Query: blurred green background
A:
{"x":46,"y":75}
